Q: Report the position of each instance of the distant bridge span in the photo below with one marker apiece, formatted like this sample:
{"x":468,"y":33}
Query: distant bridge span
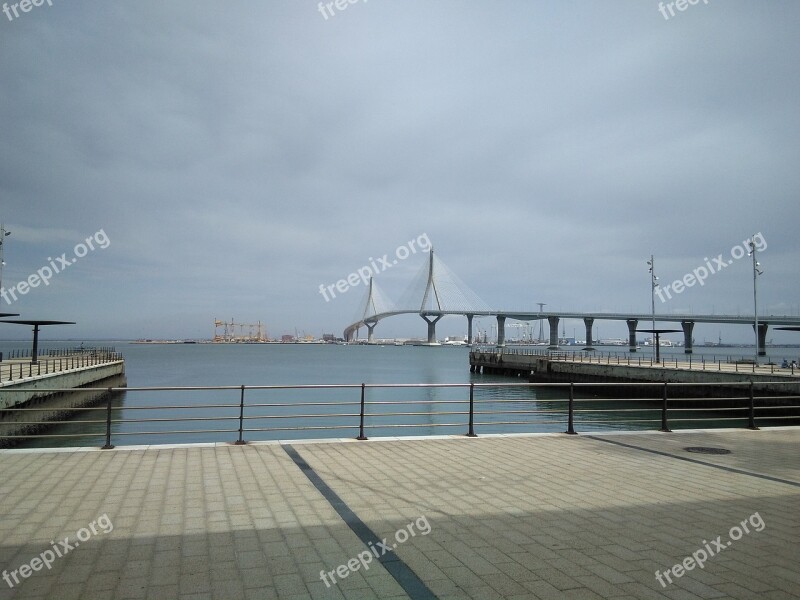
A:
{"x":445,"y":295}
{"x":632,"y":319}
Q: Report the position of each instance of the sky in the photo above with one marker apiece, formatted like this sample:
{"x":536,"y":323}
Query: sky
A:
{"x":227,"y":160}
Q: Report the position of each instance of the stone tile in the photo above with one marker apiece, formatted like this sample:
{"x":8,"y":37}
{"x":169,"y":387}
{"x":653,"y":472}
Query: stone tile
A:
{"x":510,"y":517}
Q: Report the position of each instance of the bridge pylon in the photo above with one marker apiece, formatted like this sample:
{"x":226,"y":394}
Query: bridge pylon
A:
{"x":375,"y":303}
{"x":444,"y":292}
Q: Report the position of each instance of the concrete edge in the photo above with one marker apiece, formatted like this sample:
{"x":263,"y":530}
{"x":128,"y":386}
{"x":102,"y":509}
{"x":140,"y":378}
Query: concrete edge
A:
{"x":379,"y":440}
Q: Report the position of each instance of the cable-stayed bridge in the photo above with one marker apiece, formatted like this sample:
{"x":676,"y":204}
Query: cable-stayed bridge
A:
{"x":437,"y":292}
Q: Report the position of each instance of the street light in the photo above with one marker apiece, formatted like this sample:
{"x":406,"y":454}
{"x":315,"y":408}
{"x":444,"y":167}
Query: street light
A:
{"x":541,"y":324}
{"x":3,"y":235}
{"x":653,"y":285}
{"x":756,"y":272}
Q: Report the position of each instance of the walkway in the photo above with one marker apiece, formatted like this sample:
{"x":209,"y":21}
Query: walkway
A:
{"x":533,"y":516}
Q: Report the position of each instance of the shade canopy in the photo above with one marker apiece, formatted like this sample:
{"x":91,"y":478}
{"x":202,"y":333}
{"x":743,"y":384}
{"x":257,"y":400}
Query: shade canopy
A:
{"x":657,"y":333}
{"x":659,"y":330}
{"x":36,"y":323}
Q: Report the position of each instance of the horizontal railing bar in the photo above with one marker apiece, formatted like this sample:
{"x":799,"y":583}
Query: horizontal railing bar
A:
{"x":299,"y":416}
{"x":402,"y":425}
{"x":395,"y":385}
{"x":393,"y":402}
{"x":98,"y":407}
{"x":59,"y":422}
{"x":231,"y":431}
{"x":310,"y":427}
{"x":779,"y":417}
{"x":672,"y":398}
{"x":416,"y":414}
{"x":169,"y":420}
{"x":291,"y":404}
{"x":49,"y":435}
{"x":716,"y":419}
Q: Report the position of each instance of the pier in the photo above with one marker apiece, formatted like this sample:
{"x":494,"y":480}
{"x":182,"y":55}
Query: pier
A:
{"x":729,"y":394}
{"x":37,"y":390}
{"x":540,"y":365}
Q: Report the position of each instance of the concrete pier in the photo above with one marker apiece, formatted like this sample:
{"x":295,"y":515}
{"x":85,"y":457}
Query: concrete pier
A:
{"x":29,"y":386}
{"x":578,"y":368}
{"x":541,"y":517}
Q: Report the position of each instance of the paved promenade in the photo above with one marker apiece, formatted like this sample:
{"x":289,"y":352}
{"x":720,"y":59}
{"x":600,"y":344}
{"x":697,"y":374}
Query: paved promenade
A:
{"x":539,"y":516}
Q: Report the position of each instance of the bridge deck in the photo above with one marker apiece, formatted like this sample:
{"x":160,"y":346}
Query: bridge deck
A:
{"x":542,"y":516}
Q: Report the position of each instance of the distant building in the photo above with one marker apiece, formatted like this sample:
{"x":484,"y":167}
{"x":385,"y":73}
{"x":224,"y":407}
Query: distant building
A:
{"x":287,"y":339}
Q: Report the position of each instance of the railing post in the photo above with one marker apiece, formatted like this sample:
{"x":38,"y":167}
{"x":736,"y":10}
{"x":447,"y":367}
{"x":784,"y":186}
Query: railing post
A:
{"x":664,"y":421}
{"x":751,"y":412}
{"x":471,"y":431}
{"x":240,"y":441}
{"x":108,"y":445}
{"x":570,"y":418}
{"x":361,"y":435}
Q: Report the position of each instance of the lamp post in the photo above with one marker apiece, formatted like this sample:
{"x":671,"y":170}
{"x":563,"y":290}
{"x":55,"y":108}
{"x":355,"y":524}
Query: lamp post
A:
{"x":3,"y":235}
{"x":653,"y":285}
{"x":756,"y":272}
{"x":541,"y":325}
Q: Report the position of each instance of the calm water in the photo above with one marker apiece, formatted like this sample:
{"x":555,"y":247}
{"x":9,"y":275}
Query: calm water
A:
{"x":169,"y":365}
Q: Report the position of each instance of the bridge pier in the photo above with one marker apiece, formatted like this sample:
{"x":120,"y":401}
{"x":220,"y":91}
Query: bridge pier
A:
{"x":762,"y":338}
{"x":687,"y":327}
{"x":431,"y":328}
{"x":501,"y":330}
{"x":588,"y":321}
{"x":469,"y":329}
{"x":371,"y":332}
{"x":553,"y":333}
{"x":632,"y":324}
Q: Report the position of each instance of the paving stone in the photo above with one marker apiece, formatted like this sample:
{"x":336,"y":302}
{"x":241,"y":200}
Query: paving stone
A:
{"x":505,"y":516}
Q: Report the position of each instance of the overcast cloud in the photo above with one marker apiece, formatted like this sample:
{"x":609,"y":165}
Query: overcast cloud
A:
{"x":238,"y":155}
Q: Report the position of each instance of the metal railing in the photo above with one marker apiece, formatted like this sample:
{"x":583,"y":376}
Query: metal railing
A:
{"x":18,"y":353}
{"x":363,"y":409}
{"x":16,"y":370}
{"x":728,"y":363}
